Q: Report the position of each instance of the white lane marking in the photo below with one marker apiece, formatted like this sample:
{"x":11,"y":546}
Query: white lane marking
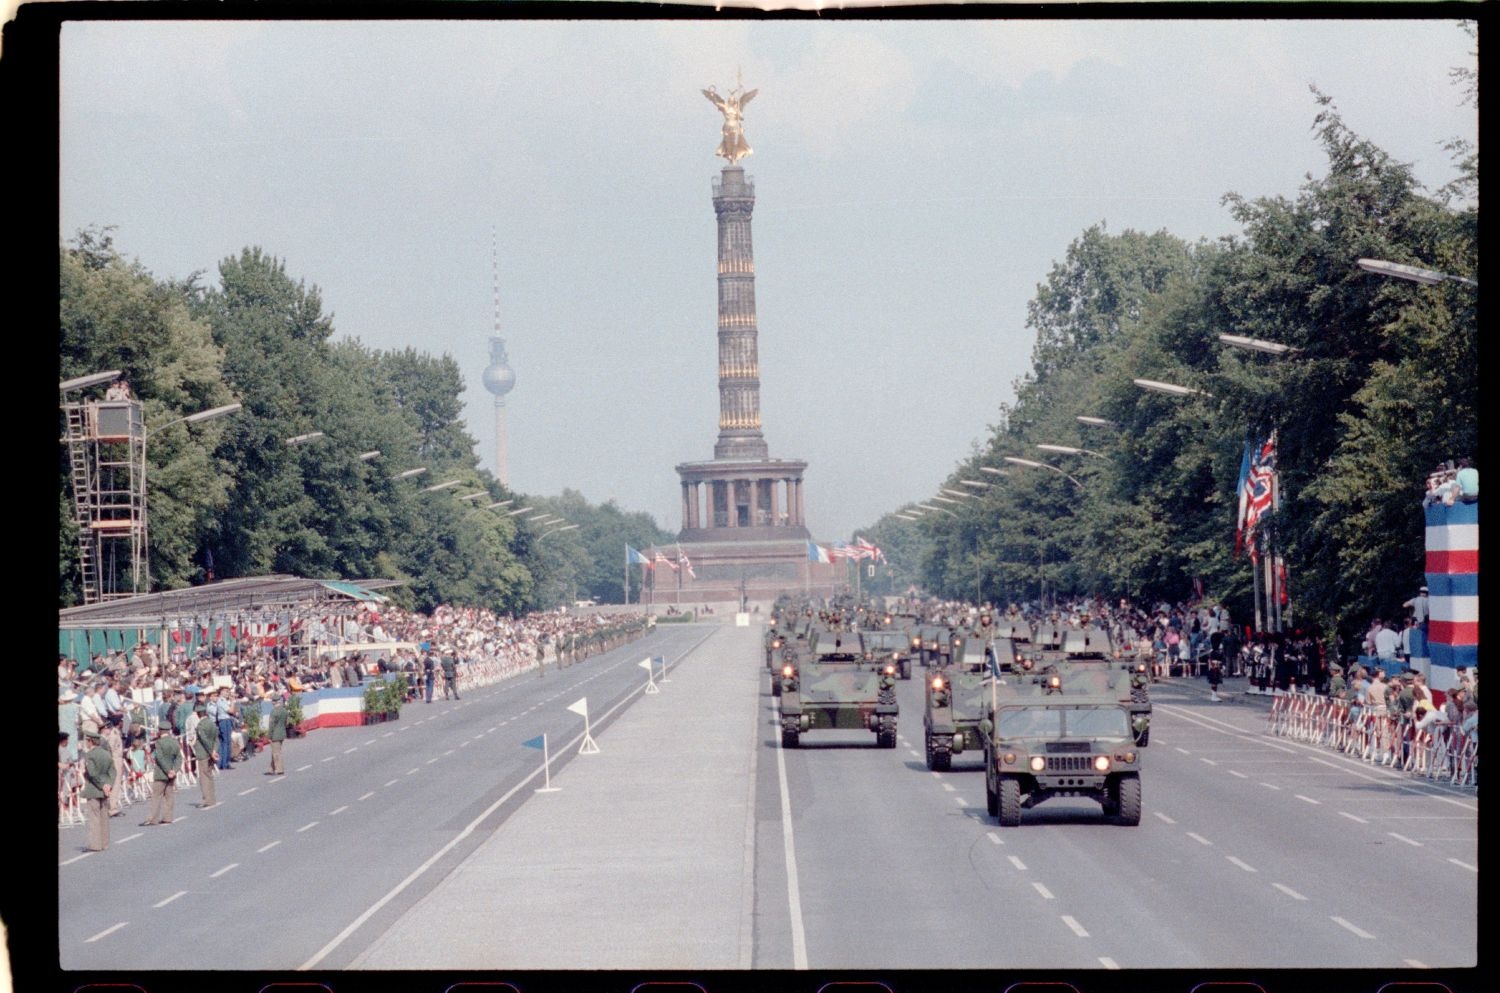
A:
{"x":368,"y":795}
{"x":1015,"y":861}
{"x":960,"y":801}
{"x":1046,"y":893}
{"x":1415,"y":964}
{"x":386,"y":735}
{"x":913,"y":753}
{"x":1307,"y":799}
{"x":129,"y":837}
{"x":328,"y":758}
{"x":403,"y":729}
{"x":447,"y":753}
{"x":266,"y":848}
{"x":106,"y":932}
{"x":1107,"y":962}
{"x":248,"y":792}
{"x":1199,"y":838}
{"x":303,"y":768}
{"x":74,"y":859}
{"x":163,"y":903}
{"x":335,"y":813}
{"x":1208,"y":761}
{"x":463,"y":744}
{"x":1402,"y":837}
{"x":1239,"y":774}
{"x":478,"y":736}
{"x":216,"y":875}
{"x":491,"y":729}
{"x":1359,"y":820}
{"x":392,"y":782}
{"x":1271,"y":786}
{"x":275,"y":780}
{"x":1184,"y":751}
{"x":1242,"y":865}
{"x":793,"y":891}
{"x":1163,"y":817}
{"x":937,"y":775}
{"x":1350,"y":927}
{"x":1289,"y":891}
{"x":432,"y":760}
{"x":306,"y":826}
{"x":413,"y":772}
{"x":1077,"y":928}
{"x":994,"y":837}
{"x":949,"y":787}
{"x":1461,"y":865}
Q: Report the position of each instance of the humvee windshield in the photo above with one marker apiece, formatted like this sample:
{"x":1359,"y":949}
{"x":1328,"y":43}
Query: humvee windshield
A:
{"x":1055,"y":722}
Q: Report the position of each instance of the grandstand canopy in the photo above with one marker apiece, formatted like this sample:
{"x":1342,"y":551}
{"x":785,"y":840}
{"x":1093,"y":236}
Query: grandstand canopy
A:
{"x":252,"y":593}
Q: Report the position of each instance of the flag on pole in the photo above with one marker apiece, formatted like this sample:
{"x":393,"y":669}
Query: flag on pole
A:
{"x":1244,"y":495}
{"x":661,"y":559}
{"x":580,"y":707}
{"x":1260,"y":484}
{"x":682,"y":560}
{"x":536,"y":742}
{"x":636,"y":558}
{"x":868,"y":550}
{"x":817,"y":553}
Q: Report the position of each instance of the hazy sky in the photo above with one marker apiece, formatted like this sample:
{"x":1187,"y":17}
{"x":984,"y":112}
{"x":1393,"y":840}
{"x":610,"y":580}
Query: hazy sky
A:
{"x":915,"y":181}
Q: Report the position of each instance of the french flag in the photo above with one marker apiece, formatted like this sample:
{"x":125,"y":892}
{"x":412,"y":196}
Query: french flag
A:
{"x":817,"y":553}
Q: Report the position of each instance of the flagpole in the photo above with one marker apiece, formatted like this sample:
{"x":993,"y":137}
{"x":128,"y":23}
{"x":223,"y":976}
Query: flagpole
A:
{"x":627,"y":574}
{"x":1255,"y":578}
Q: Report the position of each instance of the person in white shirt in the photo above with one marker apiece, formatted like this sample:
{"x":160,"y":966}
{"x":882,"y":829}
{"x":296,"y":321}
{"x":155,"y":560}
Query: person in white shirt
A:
{"x":1386,"y":643}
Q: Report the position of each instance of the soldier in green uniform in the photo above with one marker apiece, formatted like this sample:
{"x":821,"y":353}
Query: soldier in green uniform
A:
{"x":98,"y":783}
{"x":277,"y":734}
{"x":205,"y":748}
{"x":166,"y":760}
{"x":1338,"y":689}
{"x":450,"y":675}
{"x":541,"y":657}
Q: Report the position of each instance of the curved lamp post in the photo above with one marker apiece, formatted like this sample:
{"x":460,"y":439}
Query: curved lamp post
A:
{"x":1427,"y":277}
{"x":1032,"y":464}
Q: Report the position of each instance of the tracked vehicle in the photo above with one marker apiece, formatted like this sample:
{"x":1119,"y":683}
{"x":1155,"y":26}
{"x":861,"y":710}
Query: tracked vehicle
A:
{"x":832,"y":686}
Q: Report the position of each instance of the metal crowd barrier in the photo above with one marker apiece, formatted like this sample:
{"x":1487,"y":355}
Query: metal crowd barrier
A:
{"x":1440,"y":753}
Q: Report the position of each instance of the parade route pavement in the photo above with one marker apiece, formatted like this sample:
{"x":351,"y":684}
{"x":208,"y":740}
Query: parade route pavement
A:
{"x":647,"y":842}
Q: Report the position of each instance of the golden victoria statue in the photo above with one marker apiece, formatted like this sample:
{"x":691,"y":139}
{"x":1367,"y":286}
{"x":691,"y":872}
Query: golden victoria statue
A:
{"x":733,"y":146}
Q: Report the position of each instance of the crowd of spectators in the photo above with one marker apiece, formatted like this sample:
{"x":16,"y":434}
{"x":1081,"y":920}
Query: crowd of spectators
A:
{"x":1450,"y":483}
{"x":125,"y":695}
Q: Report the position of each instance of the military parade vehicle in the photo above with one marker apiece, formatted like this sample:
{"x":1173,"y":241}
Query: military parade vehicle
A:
{"x":1057,"y":734}
{"x":1091,"y":646}
{"x":888,"y":645}
{"x":957,"y":694}
{"x":830,"y":685}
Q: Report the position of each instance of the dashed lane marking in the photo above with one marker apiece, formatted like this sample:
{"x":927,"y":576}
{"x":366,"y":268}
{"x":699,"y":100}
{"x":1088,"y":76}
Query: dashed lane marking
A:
{"x":1289,"y":891}
{"x":304,"y":768}
{"x":1107,"y":962}
{"x":1163,"y":817}
{"x":994,"y":837}
{"x":1461,"y":865}
{"x":1015,"y":861}
{"x":129,"y":837}
{"x":216,"y":875}
{"x":447,"y":753}
{"x":354,"y":749}
{"x":413,"y":772}
{"x":391,"y":782}
{"x":75,"y":859}
{"x":1046,"y":893}
{"x":163,"y":903}
{"x":266,"y":848}
{"x":1307,"y":799}
{"x":1242,"y":865}
{"x":371,"y":741}
{"x":386,"y":735}
{"x":1415,"y":964}
{"x":432,"y":760}
{"x":105,"y":933}
{"x":248,"y":792}
{"x":1271,"y":786}
{"x":1241,"y":775}
{"x":1357,"y":931}
{"x":960,"y":801}
{"x":1199,"y":838}
{"x":368,"y":795}
{"x":463,"y":744}
{"x":1358,"y":820}
{"x":949,"y":787}
{"x":1208,"y":761}
{"x":1409,"y":841}
{"x":398,"y":730}
{"x":1184,"y":751}
{"x":329,"y":758}
{"x":491,"y":729}
{"x":934,"y":775}
{"x":335,"y":813}
{"x":307,"y":826}
{"x":1077,"y":928}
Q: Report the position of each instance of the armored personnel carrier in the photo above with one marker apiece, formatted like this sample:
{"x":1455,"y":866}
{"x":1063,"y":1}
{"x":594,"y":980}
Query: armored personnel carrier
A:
{"x":831,"y":685}
{"x":1085,"y":646}
{"x":958,"y":697}
{"x":888,"y":645}
{"x":1056,"y":734}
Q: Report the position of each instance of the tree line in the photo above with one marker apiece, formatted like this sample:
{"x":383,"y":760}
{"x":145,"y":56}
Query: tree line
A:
{"x":1382,"y":386}
{"x":229,"y":497}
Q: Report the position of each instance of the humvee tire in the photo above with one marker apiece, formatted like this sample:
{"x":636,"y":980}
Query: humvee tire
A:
{"x":1009,"y":802}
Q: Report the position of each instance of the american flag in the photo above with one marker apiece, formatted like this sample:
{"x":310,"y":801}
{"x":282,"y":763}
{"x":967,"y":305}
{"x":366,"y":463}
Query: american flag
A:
{"x":682,"y":560}
{"x":1260,"y":485}
{"x":661,"y":559}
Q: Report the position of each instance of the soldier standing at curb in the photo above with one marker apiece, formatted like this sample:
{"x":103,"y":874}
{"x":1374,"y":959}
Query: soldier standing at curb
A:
{"x":277,"y":734}
{"x":98,"y":783}
{"x":450,"y":673}
{"x":166,"y":760}
{"x":541,"y":657}
{"x":205,"y":748}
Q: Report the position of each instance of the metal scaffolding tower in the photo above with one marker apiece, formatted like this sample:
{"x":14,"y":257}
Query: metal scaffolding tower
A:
{"x":106,"y":442}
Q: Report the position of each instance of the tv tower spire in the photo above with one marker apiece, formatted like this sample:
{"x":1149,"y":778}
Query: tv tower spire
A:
{"x":499,"y":378}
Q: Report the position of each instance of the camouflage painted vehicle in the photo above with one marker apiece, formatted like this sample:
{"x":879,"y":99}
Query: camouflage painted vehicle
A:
{"x":934,"y":643}
{"x":888,"y":645}
{"x":832,"y":686}
{"x":957,"y":699}
{"x":1091,"y":646}
{"x":1059,"y":734}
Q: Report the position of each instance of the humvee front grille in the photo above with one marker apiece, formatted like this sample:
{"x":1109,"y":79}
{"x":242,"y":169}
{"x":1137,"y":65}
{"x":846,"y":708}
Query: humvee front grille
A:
{"x":1069,"y":763}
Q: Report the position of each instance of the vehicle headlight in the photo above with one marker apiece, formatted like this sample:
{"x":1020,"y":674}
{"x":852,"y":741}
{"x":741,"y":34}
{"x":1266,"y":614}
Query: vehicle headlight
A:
{"x":1126,"y":757}
{"x":1054,"y":682}
{"x":937,"y":682}
{"x":1038,"y":763}
{"x":1009,"y":758}
{"x":1101,"y":763}
{"x":788,"y":671}
{"x":890,"y":670}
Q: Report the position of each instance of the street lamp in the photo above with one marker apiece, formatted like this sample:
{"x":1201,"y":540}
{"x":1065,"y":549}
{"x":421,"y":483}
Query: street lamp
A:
{"x":369,"y":456}
{"x":1096,"y":422}
{"x":1170,"y":389}
{"x":1031,"y":464}
{"x":1427,"y":277}
{"x":977,"y":484}
{"x":521,"y":510}
{"x":1257,"y":345}
{"x":947,"y":500}
{"x":993,"y":471}
{"x":302,"y":439}
{"x":84,"y":382}
{"x":410,"y":473}
{"x":1069,"y":450}
{"x":443,"y":486}
{"x":945,"y":510}
{"x":958,"y":493}
{"x":475,"y":496}
{"x":500,"y":503}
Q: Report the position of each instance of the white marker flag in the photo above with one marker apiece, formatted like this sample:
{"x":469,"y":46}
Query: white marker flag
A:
{"x":581,"y":708}
{"x":644,"y":663}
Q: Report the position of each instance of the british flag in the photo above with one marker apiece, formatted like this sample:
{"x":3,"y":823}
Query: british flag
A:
{"x":868,"y":551}
{"x":683,"y":561}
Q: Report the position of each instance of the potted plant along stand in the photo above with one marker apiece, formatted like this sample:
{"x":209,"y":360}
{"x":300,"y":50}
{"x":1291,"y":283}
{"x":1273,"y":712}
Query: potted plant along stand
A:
{"x":294,"y":716}
{"x":255,"y":729}
{"x":395,"y":696}
{"x":374,"y":702}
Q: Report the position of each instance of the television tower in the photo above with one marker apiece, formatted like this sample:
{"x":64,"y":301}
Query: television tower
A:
{"x":499,"y":378}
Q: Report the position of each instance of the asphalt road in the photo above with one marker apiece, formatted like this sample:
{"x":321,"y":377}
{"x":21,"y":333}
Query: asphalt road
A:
{"x":282,"y":866}
{"x":693,"y":841}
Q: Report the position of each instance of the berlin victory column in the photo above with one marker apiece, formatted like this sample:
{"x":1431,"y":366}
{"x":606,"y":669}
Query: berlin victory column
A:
{"x":743,"y":513}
